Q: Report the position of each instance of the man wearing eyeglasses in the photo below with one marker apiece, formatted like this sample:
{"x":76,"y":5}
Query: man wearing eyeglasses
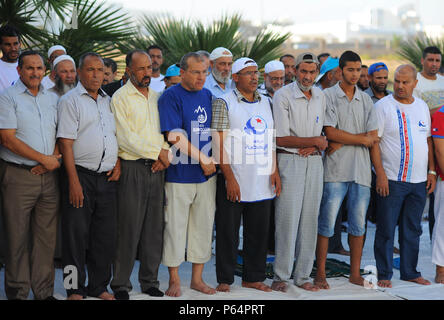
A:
{"x":274,"y":77}
{"x":218,"y":81}
{"x":243,"y":144}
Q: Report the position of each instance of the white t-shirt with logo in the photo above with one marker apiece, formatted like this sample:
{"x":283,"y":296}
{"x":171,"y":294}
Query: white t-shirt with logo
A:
{"x":157,"y":84}
{"x":8,"y":74}
{"x":404,"y":129}
{"x":431,"y":91}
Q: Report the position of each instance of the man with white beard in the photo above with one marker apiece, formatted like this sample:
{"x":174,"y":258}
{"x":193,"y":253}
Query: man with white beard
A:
{"x":218,"y":81}
{"x":65,"y":75}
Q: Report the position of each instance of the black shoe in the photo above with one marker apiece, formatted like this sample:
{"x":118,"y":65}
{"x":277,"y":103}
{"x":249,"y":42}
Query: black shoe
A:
{"x":153,"y":292}
{"x":121,"y":295}
{"x":51,"y":298}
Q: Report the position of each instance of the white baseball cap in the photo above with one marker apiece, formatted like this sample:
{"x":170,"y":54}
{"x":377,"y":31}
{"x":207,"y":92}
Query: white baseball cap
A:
{"x":242,"y":63}
{"x":220,"y":52}
{"x":274,"y":66}
{"x":55,"y":48}
{"x":63,"y":57}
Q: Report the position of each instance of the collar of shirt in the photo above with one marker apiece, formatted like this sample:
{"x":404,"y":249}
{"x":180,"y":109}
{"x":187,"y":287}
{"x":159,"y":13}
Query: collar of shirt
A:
{"x":297,"y":92}
{"x":340,"y":93}
{"x":81,"y":90}
{"x":20,"y":87}
{"x":369,"y":91}
{"x":131,"y":89}
{"x":240,"y":97}
{"x":213,"y":83}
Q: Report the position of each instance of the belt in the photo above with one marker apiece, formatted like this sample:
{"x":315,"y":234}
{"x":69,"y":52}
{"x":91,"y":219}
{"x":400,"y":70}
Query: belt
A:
{"x":317,"y":153}
{"x":21,"y":166}
{"x":146,"y":162}
{"x":90,"y":172}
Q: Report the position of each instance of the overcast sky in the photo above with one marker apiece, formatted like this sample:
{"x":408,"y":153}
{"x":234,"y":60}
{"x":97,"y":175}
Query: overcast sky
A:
{"x":431,"y":11}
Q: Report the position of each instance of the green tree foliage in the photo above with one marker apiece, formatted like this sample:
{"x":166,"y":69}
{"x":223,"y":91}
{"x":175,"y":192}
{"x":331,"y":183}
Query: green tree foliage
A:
{"x":178,"y":37}
{"x":411,"y":50}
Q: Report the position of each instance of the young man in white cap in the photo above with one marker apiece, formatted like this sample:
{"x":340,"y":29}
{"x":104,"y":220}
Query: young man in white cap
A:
{"x":218,"y":81}
{"x":274,"y":77}
{"x":298,"y":110}
{"x":53,"y":53}
{"x":65,"y":74}
{"x":244,"y":147}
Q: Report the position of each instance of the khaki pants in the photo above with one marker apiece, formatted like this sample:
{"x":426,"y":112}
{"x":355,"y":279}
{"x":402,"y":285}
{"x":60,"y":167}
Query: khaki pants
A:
{"x":30,"y":221}
{"x":189,"y":218}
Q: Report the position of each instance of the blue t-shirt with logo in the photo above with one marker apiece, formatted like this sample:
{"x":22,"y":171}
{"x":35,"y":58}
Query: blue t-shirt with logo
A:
{"x":188,"y":112}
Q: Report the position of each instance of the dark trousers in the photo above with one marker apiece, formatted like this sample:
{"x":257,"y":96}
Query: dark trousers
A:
{"x":89,"y":232}
{"x":405,"y":203}
{"x":140,"y":224}
{"x":431,"y":214}
{"x":255,"y":220}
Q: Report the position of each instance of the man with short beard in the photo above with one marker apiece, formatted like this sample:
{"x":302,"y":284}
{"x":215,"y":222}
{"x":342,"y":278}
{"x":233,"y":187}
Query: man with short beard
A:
{"x":156,"y":55}
{"x":140,"y":196}
{"x":363,"y":83}
{"x":330,"y":74}
{"x":298,"y":110}
{"x":378,"y":80}
{"x":65,"y":75}
{"x":55,"y":51}
{"x":274,"y":76}
{"x":289,"y":63}
{"x":10,"y":48}
{"x":219,"y":82}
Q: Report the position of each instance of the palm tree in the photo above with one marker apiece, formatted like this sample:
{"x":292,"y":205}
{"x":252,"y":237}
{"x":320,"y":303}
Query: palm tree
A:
{"x":411,"y":50}
{"x":178,"y":37}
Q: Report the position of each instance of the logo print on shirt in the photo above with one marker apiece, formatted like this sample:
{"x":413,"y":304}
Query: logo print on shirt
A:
{"x":256,"y":125}
{"x":421,"y":124}
{"x":202,"y":114}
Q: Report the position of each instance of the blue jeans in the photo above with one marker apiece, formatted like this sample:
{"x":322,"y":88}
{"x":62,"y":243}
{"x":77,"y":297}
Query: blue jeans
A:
{"x":358,"y":197}
{"x":405,"y":202}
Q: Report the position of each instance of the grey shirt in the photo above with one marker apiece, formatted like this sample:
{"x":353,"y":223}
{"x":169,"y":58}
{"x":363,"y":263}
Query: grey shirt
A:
{"x":91,"y":124}
{"x":369,"y":91}
{"x":33,"y":117}
{"x":295,"y":115}
{"x":349,"y":163}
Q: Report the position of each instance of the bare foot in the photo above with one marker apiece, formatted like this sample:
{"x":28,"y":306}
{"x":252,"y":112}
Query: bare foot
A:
{"x":106,"y":296}
{"x":174,"y":289}
{"x":439,"y":278}
{"x":202,"y":287}
{"x":321,"y":282}
{"x":359,"y":281}
{"x":223,"y":287}
{"x":384,"y":283}
{"x":256,"y":285}
{"x":75,"y":297}
{"x":420,"y":280}
{"x":279,"y":286}
{"x":309,"y":287}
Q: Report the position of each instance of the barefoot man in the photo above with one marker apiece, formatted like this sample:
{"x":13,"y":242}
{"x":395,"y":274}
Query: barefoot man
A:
{"x":243,"y":122}
{"x":437,"y":237}
{"x":405,"y":173}
{"x":299,"y":112}
{"x":351,"y":128}
{"x":185,"y":118}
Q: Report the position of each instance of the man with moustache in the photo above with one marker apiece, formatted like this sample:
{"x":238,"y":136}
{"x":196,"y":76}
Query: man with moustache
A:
{"x":144,"y":157}
{"x":351,"y":129}
{"x":244,"y":123}
{"x":185,"y":117}
{"x":219,"y":82}
{"x":110,"y":71}
{"x":378,"y":80}
{"x":298,"y":110}
{"x":274,"y":76}
{"x":363,"y":82}
{"x":87,"y":138}
{"x":65,"y":75}
{"x":55,"y":51}
{"x":29,"y":156}
{"x":10,"y":47}
{"x":330,"y":73}
{"x":290,"y":64}
{"x":405,"y":173}
{"x":156,"y":54}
